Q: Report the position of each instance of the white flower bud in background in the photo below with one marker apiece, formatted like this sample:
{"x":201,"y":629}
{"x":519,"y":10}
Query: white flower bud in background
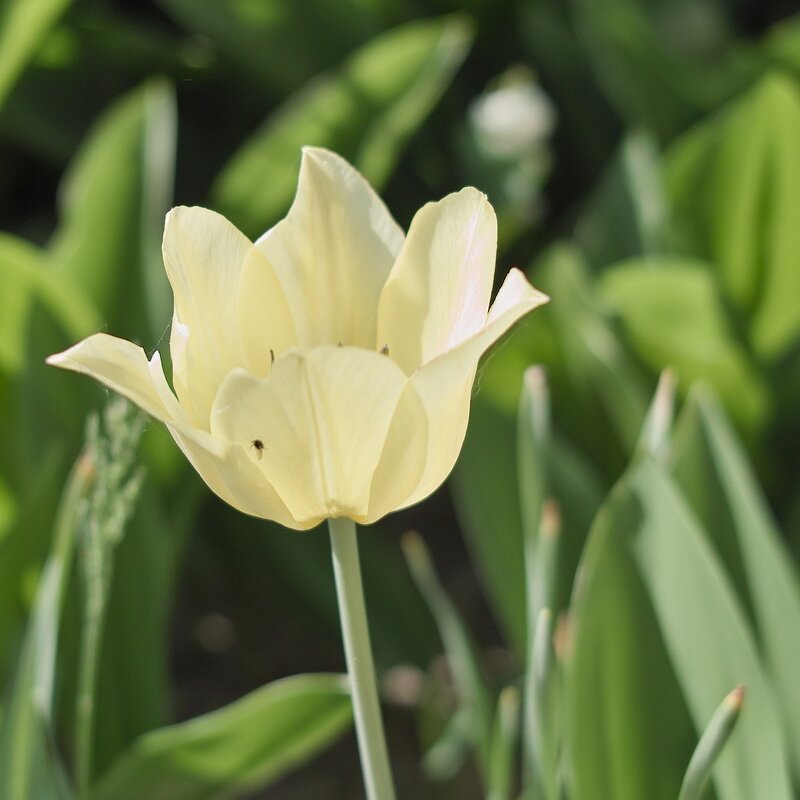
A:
{"x":514,"y":120}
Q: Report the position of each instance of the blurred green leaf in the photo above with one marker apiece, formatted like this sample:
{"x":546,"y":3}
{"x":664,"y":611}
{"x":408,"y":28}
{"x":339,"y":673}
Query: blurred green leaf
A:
{"x":451,"y":745}
{"x":134,"y":680}
{"x":719,"y":484}
{"x":366,"y":111}
{"x":23,"y":26}
{"x":587,"y":125}
{"x":710,"y":651}
{"x":627,"y":214}
{"x":657,"y":427}
{"x":628,"y":732}
{"x":29,"y":765}
{"x":240,"y":747}
{"x":782,"y":43}
{"x":23,"y":549}
{"x":674,"y":316}
{"x":711,"y":743}
{"x":735,"y":183}
{"x":280,"y":44}
{"x":543,"y":717}
{"x":25,"y":275}
{"x":593,"y":357}
{"x":159,"y":142}
{"x":503,"y":746}
{"x":662,"y":65}
{"x":591,"y":374}
{"x":533,"y":441}
{"x":488,"y":505}
{"x":109,"y":201}
{"x":460,"y":651}
{"x":8,"y":509}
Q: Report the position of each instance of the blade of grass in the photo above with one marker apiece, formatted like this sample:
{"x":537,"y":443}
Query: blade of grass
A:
{"x":714,"y":738}
{"x":458,"y":646}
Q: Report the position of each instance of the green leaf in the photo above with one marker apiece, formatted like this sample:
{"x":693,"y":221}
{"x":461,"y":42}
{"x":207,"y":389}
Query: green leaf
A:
{"x":487,"y":500}
{"x":590,"y":372}
{"x":674,"y":317}
{"x":24,"y":548}
{"x":280,"y":44}
{"x":25,"y":276}
{"x":245,"y":745}
{"x":110,"y":198}
{"x":543,"y":713}
{"x":649,"y":531}
{"x":29,"y":766}
{"x":366,"y":111}
{"x":8,"y":509}
{"x":133,"y":689}
{"x":533,"y":441}
{"x":473,"y":693}
{"x":712,"y":469}
{"x":627,"y":213}
{"x":627,"y":730}
{"x":593,"y":356}
{"x":735,"y":183}
{"x":711,"y":743}
{"x":23,"y":26}
{"x":657,"y":427}
{"x":653,"y":75}
{"x":782,"y":43}
{"x":159,"y":142}
{"x":503,"y":746}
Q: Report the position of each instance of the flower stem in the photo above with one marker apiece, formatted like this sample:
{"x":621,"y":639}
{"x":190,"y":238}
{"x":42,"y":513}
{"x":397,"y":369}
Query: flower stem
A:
{"x":358,"y":653}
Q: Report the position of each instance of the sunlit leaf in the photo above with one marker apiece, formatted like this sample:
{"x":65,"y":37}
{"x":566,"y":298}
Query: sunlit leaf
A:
{"x":674,"y":317}
{"x":735,"y":182}
{"x":366,"y":111}
{"x":718,"y":482}
{"x":25,"y":276}
{"x":23,"y":26}
{"x":243,"y":746}
{"x":109,"y":201}
{"x":648,"y":538}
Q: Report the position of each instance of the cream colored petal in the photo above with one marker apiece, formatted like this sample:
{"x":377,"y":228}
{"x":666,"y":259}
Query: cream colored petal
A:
{"x":402,"y":461}
{"x":265,"y":320}
{"x":333,"y":252}
{"x":316,"y":426}
{"x":445,"y":384}
{"x":438,"y":292}
{"x":120,"y":365}
{"x":203,"y":255}
{"x":123,"y":367}
{"x":232,"y":476}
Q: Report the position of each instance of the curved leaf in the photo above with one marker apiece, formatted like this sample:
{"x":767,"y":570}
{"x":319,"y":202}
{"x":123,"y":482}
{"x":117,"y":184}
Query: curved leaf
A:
{"x":242,"y":746}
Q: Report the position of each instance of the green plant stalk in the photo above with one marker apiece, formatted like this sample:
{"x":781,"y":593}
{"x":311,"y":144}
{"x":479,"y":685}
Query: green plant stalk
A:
{"x":93,"y":624}
{"x":37,"y":662}
{"x":358,"y":654}
{"x":709,"y":747}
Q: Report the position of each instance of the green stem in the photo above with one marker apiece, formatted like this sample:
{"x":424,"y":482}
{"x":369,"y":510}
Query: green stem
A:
{"x":358,"y":653}
{"x":94,"y":617}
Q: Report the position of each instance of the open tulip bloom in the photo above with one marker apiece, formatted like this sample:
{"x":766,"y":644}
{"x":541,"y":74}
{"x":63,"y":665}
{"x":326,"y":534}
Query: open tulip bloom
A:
{"x":324,"y":372}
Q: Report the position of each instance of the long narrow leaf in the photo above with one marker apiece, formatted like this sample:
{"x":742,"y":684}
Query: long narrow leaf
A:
{"x":29,"y":766}
{"x":458,"y":646}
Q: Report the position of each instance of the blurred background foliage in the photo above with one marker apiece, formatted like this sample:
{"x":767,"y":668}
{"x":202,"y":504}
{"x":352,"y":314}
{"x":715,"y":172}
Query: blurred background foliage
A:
{"x":643,"y":157}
